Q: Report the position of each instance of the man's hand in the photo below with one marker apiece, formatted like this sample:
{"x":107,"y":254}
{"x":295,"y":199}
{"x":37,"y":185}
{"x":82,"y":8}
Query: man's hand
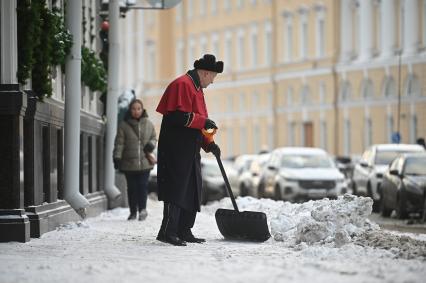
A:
{"x":210,"y":124}
{"x":117,"y":163}
{"x":214,"y":148}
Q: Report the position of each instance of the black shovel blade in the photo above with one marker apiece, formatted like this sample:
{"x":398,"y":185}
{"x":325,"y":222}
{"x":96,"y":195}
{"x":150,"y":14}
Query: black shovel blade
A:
{"x":245,"y":225}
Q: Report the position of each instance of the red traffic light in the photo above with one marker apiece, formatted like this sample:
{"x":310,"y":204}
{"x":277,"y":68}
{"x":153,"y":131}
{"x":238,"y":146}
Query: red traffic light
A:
{"x":105,"y":26}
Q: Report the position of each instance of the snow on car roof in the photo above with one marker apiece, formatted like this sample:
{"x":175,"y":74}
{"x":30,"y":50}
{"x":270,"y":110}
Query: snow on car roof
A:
{"x":399,"y":147}
{"x":301,"y":150}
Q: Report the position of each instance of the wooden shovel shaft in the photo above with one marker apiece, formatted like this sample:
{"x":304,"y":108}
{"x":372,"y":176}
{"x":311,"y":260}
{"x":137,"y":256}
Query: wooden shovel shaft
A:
{"x":228,"y":186}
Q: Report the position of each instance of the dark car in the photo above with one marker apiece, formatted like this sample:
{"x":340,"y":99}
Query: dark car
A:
{"x":403,"y":186}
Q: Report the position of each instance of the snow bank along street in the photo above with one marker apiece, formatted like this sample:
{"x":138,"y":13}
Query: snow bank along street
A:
{"x":316,"y":241}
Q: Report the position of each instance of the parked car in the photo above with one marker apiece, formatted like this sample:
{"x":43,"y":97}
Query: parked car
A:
{"x":404,"y":186}
{"x":301,"y":173}
{"x":249,"y":177}
{"x":368,"y":171}
{"x":232,"y":175}
{"x":213,"y":183}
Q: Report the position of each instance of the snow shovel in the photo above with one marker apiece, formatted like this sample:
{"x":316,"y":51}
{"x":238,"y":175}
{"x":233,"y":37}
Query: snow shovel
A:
{"x":236,"y":225}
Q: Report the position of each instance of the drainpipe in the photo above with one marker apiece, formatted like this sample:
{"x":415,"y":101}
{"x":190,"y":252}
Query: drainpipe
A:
{"x":72,"y":112}
{"x":110,"y":189}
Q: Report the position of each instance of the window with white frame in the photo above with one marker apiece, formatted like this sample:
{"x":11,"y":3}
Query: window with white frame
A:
{"x":215,"y":44}
{"x":203,"y":44}
{"x":413,"y":128}
{"x":253,"y":43}
{"x":190,"y":12}
{"x":345,"y":93}
{"x":243,"y":139}
{"x":191,"y":52}
{"x":424,"y":23}
{"x":389,"y":89}
{"x":305,"y":95}
{"x":227,"y":6}
{"x":253,"y":2}
{"x":179,"y":12}
{"x":241,"y":49}
{"x":290,"y":98}
{"x":230,"y":136}
{"x":322,"y":93}
{"x":151,"y":64}
{"x":180,"y":57}
{"x":228,"y":51}
{"x":323,"y":137}
{"x":271,"y":136}
{"x":230,"y":104}
{"x":367,"y":89}
{"x":320,"y":34}
{"x":270,"y":100}
{"x":355,"y":27}
{"x":303,"y":34}
{"x":240,"y":4}
{"x":412,"y":87}
{"x":389,"y":128}
{"x":255,"y":102}
{"x":401,"y":25}
{"x":347,"y":137}
{"x":257,"y":136}
{"x":368,"y":132}
{"x":288,"y":37}
{"x":291,"y":134}
{"x":268,"y":43}
{"x":203,"y":4}
{"x":213,"y":6}
{"x":243,"y":105}
{"x":377,"y":28}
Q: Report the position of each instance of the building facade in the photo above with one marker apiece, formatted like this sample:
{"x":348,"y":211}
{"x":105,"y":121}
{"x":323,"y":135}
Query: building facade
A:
{"x":336,"y":74}
{"x":32,"y":150}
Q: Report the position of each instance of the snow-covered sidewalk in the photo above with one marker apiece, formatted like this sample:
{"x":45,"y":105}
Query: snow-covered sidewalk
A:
{"x":321,"y":241}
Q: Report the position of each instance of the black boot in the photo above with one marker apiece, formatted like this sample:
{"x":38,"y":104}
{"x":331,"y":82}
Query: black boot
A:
{"x":190,"y":238}
{"x":174,"y":240}
{"x":132,"y":216}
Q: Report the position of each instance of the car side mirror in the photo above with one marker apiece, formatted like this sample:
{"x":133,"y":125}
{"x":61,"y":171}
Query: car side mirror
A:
{"x":363,"y":164}
{"x":394,"y":172}
{"x":272,"y":167}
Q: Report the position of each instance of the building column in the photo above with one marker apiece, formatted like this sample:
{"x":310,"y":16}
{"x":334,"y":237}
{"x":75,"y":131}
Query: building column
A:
{"x":411,"y":27}
{"x":345,"y":30}
{"x":366,"y":32}
{"x":388,"y":28}
{"x":14,"y":224}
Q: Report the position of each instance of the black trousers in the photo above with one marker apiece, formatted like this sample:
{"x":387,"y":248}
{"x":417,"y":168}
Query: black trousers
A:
{"x":176,"y":221}
{"x":137,"y":190}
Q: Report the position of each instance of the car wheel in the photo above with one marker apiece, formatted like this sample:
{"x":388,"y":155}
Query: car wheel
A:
{"x":261,"y":190}
{"x":384,"y":210}
{"x":243,"y":190}
{"x":424,"y":212}
{"x":401,"y":210}
{"x":277,"y":193}
{"x":354,"y":189}
{"x":376,"y":204}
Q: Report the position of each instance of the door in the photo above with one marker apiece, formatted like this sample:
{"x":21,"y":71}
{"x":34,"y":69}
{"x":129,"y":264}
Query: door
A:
{"x":308,"y":130}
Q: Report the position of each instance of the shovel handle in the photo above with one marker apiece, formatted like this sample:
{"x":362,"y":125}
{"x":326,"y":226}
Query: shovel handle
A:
{"x":228,"y":186}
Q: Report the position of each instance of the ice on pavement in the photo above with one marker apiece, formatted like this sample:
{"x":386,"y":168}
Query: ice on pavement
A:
{"x":319,"y":241}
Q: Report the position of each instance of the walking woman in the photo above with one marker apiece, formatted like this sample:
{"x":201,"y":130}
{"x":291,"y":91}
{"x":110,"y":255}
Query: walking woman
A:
{"x":132,"y":155}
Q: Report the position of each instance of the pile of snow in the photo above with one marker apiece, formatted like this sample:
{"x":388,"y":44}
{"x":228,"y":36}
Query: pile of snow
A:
{"x":322,"y":221}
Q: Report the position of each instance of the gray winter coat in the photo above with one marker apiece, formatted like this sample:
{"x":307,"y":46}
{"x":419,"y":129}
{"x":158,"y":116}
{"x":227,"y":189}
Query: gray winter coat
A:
{"x":132,"y":136}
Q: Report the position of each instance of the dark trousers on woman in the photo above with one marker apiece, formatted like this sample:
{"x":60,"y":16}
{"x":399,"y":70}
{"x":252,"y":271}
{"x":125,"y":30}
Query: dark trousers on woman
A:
{"x":137,"y":190}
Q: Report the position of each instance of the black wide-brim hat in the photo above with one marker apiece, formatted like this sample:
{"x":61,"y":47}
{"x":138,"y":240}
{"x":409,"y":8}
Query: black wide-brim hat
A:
{"x":209,"y":63}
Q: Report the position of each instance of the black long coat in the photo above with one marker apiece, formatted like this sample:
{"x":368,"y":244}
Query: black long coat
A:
{"x":179,"y":162}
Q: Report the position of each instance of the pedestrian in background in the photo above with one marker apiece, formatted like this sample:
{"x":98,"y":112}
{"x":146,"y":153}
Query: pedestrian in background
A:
{"x":179,"y":162}
{"x":132,"y":155}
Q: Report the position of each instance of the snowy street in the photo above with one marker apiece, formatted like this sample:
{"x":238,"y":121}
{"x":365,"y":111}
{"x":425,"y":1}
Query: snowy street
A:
{"x":321,"y":241}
